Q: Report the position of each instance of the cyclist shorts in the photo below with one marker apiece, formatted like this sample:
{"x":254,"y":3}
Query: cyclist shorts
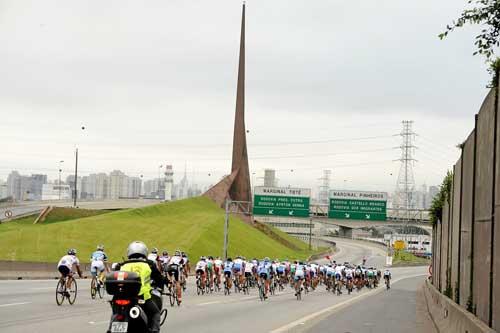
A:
{"x":227,"y":274}
{"x":64,"y":270}
{"x":298,"y":277}
{"x":329,"y":274}
{"x":264,"y":276}
{"x":200,"y":271}
{"x":248,"y":274}
{"x":349,"y":278}
{"x":216,"y":270}
{"x":97,"y":266}
{"x":173,"y":270}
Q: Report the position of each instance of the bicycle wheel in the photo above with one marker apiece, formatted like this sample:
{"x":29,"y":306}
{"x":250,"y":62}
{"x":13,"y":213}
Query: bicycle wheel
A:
{"x":100,"y":291}
{"x":171,"y":295}
{"x":72,"y":291}
{"x":93,"y":288}
{"x":60,"y":291}
{"x":261,"y":291}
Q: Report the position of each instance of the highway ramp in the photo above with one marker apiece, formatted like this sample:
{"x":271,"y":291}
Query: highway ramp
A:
{"x":29,"y":306}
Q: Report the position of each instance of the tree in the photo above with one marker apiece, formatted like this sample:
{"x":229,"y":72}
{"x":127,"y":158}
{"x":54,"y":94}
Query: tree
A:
{"x":438,"y":201}
{"x":486,"y":13}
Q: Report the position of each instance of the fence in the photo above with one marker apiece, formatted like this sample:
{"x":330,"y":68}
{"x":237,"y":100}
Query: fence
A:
{"x":466,"y":242}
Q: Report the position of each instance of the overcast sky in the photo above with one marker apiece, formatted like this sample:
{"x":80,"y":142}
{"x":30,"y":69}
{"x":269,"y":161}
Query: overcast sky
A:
{"x":154,"y":82}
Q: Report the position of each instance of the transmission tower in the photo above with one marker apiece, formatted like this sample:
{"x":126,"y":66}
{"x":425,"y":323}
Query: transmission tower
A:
{"x":324,"y":187}
{"x":405,"y":186}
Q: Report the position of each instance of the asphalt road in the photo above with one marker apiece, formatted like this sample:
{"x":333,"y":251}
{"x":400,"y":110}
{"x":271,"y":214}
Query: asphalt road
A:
{"x":29,"y":306}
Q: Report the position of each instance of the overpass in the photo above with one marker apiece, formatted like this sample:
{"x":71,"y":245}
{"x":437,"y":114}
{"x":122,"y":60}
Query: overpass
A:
{"x":23,"y":208}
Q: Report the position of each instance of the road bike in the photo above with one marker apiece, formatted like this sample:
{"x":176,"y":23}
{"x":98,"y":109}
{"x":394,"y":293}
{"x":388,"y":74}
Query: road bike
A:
{"x":227,"y":290}
{"x":63,"y":292}
{"x":199,"y":283}
{"x":262,"y":289}
{"x":96,"y":288}
{"x":298,"y":292}
{"x":172,"y":294}
{"x":387,"y":283}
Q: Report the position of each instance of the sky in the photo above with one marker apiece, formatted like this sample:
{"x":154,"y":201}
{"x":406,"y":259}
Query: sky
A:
{"x":154,"y":82}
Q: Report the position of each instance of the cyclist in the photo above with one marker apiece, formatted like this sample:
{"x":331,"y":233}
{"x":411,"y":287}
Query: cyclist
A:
{"x":174,"y":272}
{"x":210,"y":272}
{"x":186,"y":264}
{"x":280,"y":271}
{"x":330,"y":273}
{"x":137,"y":253}
{"x":248,"y":271}
{"x":153,"y":256}
{"x":238,"y":269}
{"x":99,"y":264}
{"x":263,"y":270}
{"x":349,"y":276}
{"x":65,"y":266}
{"x":201,"y":270}
{"x":387,"y":278}
{"x":228,"y":269}
{"x":218,"y":269}
{"x":298,"y":276}
{"x":164,"y":259}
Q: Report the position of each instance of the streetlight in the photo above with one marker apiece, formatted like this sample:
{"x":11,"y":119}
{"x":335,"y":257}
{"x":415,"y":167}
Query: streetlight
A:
{"x":60,"y":170}
{"x":76,"y":173}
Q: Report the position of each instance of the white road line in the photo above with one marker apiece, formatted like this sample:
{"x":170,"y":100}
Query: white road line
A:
{"x":42,"y":288}
{"x":208,"y":303}
{"x":98,"y":322}
{"x":335,"y":307}
{"x":13,"y":304}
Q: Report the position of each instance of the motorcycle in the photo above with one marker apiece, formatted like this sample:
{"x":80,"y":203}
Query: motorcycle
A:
{"x":128,"y":315}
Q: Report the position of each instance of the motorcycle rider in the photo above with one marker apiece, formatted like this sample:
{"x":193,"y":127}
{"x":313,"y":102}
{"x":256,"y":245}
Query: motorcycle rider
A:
{"x":137,"y":253}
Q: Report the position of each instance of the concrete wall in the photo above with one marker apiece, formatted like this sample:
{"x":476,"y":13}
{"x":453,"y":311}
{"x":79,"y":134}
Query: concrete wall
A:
{"x":483,"y":204}
{"x":496,"y":230}
{"x":439,"y":228}
{"x":455,"y":229}
{"x":466,"y":220}
{"x":444,"y":247}
{"x":448,"y":316}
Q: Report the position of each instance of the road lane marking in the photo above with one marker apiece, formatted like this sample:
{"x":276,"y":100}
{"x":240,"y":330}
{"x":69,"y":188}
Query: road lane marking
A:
{"x":337,"y":306}
{"x":13,"y":304}
{"x":98,"y":322}
{"x":208,"y":303}
{"x":42,"y":288}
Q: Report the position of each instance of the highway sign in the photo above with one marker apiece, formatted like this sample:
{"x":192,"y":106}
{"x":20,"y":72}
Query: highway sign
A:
{"x":357,"y":205}
{"x":281,"y":201}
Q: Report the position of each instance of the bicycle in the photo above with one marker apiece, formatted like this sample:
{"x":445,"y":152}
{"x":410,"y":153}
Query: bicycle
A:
{"x":199,"y":289}
{"x":96,"y":288}
{"x":262,"y":290}
{"x":298,"y":292}
{"x":62,"y":291}
{"x":216,"y":284}
{"x":227,"y":290}
{"x":172,"y":294}
{"x":387,"y":283}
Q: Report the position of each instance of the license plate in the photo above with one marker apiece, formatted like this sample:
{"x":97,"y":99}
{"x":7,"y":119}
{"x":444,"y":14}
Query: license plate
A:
{"x":119,"y":327}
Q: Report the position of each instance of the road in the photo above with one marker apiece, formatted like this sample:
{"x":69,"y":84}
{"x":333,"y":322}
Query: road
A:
{"x":30,"y":305}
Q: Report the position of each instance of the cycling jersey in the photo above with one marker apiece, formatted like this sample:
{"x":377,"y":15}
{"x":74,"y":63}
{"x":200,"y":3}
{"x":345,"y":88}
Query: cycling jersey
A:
{"x":164,"y":259}
{"x":238,"y":265}
{"x":281,"y":269}
{"x":330,"y":271}
{"x":299,"y":272}
{"x":201,"y":265}
{"x":248,"y":267}
{"x":264,"y":268}
{"x":68,"y":261}
{"x":348,"y":273}
{"x":153,"y":257}
{"x":228,"y":266}
{"x":210,"y":265}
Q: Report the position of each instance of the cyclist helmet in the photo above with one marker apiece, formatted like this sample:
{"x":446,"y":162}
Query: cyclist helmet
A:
{"x":154,"y":250}
{"x":183,"y":254}
{"x":100,"y":247}
{"x":266,"y":259}
{"x":165,"y":253}
{"x":72,"y":252}
{"x":229,"y":259}
{"x":137,"y":249}
{"x":210,"y":258}
{"x":203,"y":258}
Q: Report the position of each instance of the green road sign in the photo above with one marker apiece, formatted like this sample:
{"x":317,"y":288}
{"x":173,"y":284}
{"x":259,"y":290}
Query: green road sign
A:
{"x":356,"y":205}
{"x":276,"y":201}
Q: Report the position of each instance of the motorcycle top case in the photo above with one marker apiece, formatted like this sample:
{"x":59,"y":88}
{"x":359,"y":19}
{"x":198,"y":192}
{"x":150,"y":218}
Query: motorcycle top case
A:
{"x":127,"y":284}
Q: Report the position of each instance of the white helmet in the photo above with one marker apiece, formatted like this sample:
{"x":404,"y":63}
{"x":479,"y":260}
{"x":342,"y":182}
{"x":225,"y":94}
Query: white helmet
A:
{"x":137,"y":249}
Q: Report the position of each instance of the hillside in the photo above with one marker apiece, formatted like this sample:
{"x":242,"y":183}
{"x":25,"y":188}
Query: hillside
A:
{"x":192,"y":225}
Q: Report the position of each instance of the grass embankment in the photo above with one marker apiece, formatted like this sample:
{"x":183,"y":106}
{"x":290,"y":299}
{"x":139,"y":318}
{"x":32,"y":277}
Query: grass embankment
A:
{"x":193,"y":225}
{"x":403,"y":258}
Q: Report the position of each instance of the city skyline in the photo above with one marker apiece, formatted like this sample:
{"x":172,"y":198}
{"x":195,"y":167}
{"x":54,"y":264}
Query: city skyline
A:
{"x":320,"y":111}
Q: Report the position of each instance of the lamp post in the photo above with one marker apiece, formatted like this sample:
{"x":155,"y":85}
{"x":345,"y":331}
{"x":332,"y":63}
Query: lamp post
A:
{"x":76,"y":174}
{"x":60,"y":170}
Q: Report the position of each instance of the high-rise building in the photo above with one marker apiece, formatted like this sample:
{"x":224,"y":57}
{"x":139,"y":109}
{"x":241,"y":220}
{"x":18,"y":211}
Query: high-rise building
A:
{"x":118,"y":185}
{"x":18,"y":186}
{"x":134,"y":187}
{"x":37,"y":182}
{"x":169,"y":182}
{"x":70,"y":180}
{"x":269,"y":178}
{"x":3,"y":189}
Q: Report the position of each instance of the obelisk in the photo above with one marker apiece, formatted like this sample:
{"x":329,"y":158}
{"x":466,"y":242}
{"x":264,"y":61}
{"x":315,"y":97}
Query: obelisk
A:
{"x":236,"y":186}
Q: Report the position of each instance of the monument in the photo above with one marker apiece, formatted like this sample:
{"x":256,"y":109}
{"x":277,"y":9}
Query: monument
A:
{"x":236,"y":186}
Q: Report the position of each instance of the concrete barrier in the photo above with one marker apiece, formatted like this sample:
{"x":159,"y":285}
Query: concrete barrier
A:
{"x":449,"y":316}
{"x":32,"y":270}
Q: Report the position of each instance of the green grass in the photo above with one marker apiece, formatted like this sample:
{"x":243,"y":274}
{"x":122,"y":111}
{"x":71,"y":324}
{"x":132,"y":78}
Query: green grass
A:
{"x":193,"y":225}
{"x":403,"y":258}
